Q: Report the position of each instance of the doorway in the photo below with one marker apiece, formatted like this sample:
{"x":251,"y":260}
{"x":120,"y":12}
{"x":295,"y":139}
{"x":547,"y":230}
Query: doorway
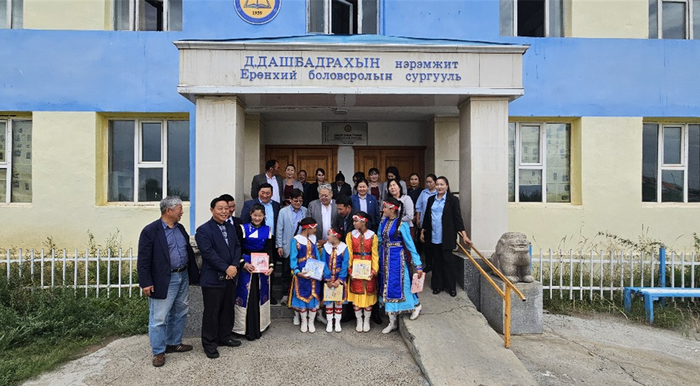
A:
{"x":307,"y":158}
{"x":408,"y":159}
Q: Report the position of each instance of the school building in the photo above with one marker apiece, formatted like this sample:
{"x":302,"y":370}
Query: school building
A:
{"x":557,"y":118}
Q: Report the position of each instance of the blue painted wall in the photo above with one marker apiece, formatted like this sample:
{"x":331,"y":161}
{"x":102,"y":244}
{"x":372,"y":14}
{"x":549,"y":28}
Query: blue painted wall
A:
{"x":138,"y":71}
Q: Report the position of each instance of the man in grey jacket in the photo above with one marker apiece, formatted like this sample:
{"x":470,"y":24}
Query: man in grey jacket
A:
{"x":271,"y":176}
{"x":287,"y":221}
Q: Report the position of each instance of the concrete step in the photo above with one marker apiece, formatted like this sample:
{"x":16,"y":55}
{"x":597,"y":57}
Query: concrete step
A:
{"x":454,"y":345}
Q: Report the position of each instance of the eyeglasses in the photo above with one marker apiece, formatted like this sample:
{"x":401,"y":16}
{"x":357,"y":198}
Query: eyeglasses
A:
{"x":324,"y":195}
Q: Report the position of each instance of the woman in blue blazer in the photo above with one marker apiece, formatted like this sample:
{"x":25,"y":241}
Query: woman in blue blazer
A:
{"x":366,"y":203}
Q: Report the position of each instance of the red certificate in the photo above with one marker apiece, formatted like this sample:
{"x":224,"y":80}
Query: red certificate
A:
{"x":261,"y":262}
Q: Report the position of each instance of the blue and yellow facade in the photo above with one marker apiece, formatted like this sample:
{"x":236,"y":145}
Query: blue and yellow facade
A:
{"x":72,"y":75}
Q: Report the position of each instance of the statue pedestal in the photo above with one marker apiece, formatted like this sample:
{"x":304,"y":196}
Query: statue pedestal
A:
{"x":526,"y":317}
{"x":469,"y":277}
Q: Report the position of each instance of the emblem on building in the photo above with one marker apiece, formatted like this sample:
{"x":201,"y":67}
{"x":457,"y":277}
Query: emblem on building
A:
{"x":257,"y":11}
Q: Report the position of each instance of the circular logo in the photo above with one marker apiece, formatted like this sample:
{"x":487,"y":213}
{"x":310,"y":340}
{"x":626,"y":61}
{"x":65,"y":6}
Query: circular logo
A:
{"x":257,"y":11}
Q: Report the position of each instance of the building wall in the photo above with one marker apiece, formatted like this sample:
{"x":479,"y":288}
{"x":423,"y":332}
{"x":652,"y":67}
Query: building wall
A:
{"x":611,"y":196}
{"x":68,"y":14}
{"x":66,"y":173}
{"x":627,"y":19}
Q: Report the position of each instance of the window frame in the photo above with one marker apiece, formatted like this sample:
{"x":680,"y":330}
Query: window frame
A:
{"x":541,"y":165}
{"x":7,"y":165}
{"x":547,"y":18}
{"x":11,"y":22}
{"x":661,"y":166}
{"x":328,"y":16}
{"x":139,"y":164}
{"x":135,"y":16}
{"x":689,"y":35}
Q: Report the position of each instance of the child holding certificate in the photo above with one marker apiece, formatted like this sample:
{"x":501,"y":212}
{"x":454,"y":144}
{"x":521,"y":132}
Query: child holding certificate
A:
{"x":362,"y":268}
{"x":305,"y":292}
{"x":252,"y":304}
{"x":335,"y":253}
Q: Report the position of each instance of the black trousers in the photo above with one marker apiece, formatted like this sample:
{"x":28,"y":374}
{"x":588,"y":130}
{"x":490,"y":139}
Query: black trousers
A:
{"x":444,"y":266}
{"x":286,"y":275}
{"x":217,"y":320}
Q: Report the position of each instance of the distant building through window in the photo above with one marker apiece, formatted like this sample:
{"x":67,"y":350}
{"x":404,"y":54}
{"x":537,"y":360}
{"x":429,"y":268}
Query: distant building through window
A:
{"x":343,"y":17}
{"x":674,"y":19}
{"x":15,"y":160}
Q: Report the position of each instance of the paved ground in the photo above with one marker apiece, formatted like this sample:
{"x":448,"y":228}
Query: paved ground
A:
{"x":605,"y":350}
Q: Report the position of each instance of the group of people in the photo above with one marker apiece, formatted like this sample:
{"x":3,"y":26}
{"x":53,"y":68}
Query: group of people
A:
{"x":353,"y":250}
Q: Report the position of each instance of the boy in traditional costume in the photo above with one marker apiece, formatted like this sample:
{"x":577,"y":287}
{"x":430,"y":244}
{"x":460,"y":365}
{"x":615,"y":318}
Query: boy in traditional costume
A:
{"x":362,"y":246}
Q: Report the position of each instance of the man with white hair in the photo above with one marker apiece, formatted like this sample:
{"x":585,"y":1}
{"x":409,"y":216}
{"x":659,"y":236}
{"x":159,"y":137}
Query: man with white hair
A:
{"x":166,"y":266}
{"x":324,"y":211}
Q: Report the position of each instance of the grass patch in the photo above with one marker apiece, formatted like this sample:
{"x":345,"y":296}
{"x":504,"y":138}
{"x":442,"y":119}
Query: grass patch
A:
{"x":679,"y":315}
{"x":40,"y":329}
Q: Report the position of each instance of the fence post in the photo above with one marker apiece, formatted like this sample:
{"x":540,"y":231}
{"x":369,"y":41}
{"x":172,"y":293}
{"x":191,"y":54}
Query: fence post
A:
{"x":662,"y":266}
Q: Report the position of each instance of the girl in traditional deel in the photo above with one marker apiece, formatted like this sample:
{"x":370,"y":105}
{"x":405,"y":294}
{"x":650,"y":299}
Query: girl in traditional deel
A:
{"x":335,"y":253}
{"x":252,"y":307}
{"x":395,"y":242}
{"x":362,"y":245}
{"x":305,"y":292}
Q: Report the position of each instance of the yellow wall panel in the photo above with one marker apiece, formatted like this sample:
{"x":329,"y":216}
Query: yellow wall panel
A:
{"x":607,"y":18}
{"x":611,"y":179}
{"x":65,"y":180}
{"x":68,"y":14}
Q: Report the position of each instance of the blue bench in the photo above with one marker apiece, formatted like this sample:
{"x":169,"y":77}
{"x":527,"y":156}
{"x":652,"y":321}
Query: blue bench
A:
{"x":655,"y":293}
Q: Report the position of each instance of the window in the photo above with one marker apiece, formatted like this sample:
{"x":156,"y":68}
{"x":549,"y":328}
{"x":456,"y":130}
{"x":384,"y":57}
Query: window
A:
{"x":671,"y":154}
{"x":343,"y":17}
{"x":537,"y":18}
{"x":15,"y":160}
{"x":674,"y":19}
{"x":11,"y":13}
{"x":539,"y":161}
{"x":148,"y":15}
{"x":145,"y":153}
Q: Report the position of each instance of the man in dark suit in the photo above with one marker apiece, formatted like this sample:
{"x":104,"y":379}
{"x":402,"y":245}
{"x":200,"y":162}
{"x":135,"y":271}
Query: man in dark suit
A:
{"x":271,"y":176}
{"x":166,"y":266}
{"x":343,"y":221}
{"x":221,"y":254}
{"x":232,"y":219}
{"x":272,"y":210}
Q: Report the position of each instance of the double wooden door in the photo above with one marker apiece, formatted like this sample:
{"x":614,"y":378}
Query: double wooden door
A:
{"x":407,"y":159}
{"x":307,"y":158}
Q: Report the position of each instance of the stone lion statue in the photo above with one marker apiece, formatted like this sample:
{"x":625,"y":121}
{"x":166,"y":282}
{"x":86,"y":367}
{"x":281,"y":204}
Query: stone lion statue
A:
{"x":512,"y":257}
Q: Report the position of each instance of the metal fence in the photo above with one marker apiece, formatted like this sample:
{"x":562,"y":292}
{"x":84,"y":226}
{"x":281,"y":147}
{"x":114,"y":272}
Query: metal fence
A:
{"x":583,"y":274}
{"x":98,"y":273}
{"x":576,"y":274}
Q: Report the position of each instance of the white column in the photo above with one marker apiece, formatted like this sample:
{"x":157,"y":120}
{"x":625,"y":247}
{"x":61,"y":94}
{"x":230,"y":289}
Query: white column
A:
{"x":220,"y":127}
{"x":483,"y":182}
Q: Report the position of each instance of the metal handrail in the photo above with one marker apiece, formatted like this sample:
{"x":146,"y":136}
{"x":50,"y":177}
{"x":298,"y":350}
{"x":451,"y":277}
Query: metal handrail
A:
{"x":504,"y":295}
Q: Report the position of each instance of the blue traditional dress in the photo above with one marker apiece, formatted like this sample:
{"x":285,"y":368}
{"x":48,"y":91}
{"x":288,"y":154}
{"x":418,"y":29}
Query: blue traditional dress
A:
{"x":394,"y":280}
{"x":252,"y":307}
{"x":337,"y":262}
{"x":304,"y":294}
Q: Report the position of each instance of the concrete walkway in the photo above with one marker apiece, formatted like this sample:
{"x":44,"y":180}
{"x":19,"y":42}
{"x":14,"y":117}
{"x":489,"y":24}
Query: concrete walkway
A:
{"x":451,"y":344}
{"x":454,"y":345}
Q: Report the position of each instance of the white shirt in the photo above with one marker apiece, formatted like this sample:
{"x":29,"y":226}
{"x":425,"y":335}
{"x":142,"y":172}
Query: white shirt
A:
{"x":326,"y":215}
{"x":275,"y":187}
{"x":363,"y":203}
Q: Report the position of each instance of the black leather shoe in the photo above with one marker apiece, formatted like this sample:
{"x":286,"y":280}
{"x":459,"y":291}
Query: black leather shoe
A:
{"x":436,"y":291}
{"x":212,"y":354}
{"x":453,"y":293}
{"x":273,"y":301}
{"x":231,"y":343}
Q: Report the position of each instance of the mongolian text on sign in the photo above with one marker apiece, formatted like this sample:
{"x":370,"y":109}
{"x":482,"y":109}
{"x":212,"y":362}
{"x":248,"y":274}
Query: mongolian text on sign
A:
{"x":345,"y":133}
